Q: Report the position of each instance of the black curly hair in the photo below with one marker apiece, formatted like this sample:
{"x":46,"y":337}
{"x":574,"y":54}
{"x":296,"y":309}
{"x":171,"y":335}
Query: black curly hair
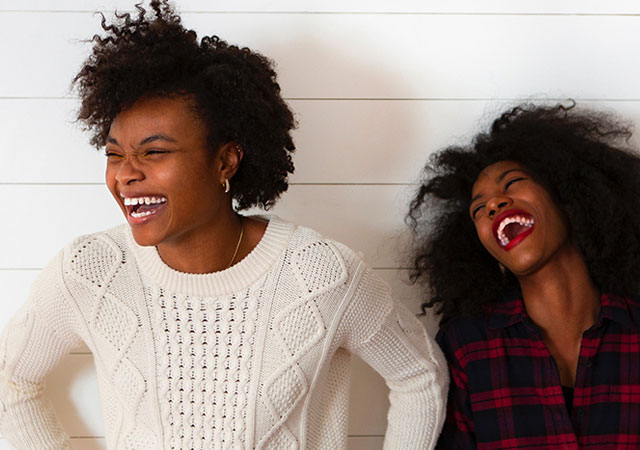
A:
{"x":581,"y":157}
{"x":233,"y":89}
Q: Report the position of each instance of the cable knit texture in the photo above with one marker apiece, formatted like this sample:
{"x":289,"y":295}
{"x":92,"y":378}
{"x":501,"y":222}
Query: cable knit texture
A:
{"x":255,"y":356}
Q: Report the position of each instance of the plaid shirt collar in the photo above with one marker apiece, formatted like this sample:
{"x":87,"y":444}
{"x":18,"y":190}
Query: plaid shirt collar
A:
{"x":511,"y":310}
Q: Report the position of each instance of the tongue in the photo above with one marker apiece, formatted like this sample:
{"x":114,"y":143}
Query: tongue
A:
{"x":514,"y":229}
{"x":145,"y":208}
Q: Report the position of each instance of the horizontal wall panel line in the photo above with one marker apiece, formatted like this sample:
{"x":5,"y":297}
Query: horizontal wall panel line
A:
{"x":462,"y":99}
{"x":337,"y":13}
{"x":403,"y":99}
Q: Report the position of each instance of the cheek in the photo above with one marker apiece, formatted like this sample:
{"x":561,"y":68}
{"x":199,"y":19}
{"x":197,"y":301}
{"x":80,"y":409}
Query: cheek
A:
{"x":485,"y":235}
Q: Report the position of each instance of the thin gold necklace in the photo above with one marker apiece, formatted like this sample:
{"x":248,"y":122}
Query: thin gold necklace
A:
{"x":235,"y":253}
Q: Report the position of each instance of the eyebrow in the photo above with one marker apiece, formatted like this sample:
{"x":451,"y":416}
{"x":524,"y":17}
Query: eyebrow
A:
{"x":153,"y":137}
{"x":499,"y":179}
{"x":507,"y":172}
{"x":157,"y":137}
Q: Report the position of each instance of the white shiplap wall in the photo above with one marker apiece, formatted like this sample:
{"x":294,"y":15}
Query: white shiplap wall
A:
{"x":376,"y":85}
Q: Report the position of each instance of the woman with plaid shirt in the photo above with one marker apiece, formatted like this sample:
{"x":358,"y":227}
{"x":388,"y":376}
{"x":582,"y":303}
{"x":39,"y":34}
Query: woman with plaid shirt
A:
{"x":532,"y":259}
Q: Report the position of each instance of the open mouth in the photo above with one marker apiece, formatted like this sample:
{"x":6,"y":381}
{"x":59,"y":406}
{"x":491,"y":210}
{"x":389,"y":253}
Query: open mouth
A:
{"x":511,"y":227}
{"x":139,"y":207}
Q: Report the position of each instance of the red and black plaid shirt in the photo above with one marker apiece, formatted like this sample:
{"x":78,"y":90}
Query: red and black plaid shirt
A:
{"x":505,"y":387}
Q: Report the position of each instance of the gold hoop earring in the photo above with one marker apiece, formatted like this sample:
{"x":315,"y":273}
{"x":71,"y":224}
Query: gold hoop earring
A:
{"x":226,"y":186}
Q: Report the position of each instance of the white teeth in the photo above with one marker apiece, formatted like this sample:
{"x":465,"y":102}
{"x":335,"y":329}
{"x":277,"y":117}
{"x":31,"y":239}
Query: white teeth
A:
{"x":133,"y":201}
{"x":523,"y":221}
{"x":142,"y":214}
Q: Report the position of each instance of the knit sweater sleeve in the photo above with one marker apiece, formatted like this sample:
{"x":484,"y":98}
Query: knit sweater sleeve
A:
{"x":37,"y":337}
{"x":394,"y":343}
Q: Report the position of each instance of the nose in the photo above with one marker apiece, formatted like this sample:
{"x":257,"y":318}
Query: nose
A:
{"x":129,"y":171}
{"x":497,"y":204}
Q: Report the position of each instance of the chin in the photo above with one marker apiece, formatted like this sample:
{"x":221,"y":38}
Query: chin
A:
{"x":523,"y":268}
{"x":145,"y":239}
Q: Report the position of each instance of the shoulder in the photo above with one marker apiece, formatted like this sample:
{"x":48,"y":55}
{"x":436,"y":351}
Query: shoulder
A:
{"x":94,"y":257}
{"x":322,"y":267}
{"x":312,"y":249}
{"x":633,"y":305}
{"x":81,"y":267}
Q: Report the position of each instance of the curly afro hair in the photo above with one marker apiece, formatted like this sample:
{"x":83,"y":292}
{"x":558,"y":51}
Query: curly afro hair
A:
{"x":233,"y":89}
{"x":581,"y":157}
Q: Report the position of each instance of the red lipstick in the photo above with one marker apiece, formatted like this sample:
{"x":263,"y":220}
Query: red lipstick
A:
{"x":506,"y":238}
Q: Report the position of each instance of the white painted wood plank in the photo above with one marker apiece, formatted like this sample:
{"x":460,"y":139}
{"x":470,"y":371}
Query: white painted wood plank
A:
{"x":72,"y":388}
{"x":416,"y":6}
{"x":371,"y":56}
{"x":365,"y":442}
{"x":40,"y":143}
{"x":368,"y":400}
{"x":368,"y":141}
{"x":88,"y":443}
{"x":337,"y":141}
{"x":45,"y":218}
{"x":366,"y":218}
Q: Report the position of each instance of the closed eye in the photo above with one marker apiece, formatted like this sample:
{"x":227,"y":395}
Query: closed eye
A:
{"x":513,"y":180}
{"x":154,"y":152}
{"x":476,"y":210}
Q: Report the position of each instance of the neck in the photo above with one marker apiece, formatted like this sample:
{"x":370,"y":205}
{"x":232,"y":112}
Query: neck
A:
{"x":207,"y":249}
{"x":562,"y":293}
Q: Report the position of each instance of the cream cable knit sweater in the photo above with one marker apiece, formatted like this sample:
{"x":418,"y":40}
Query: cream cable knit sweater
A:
{"x":256,"y":356}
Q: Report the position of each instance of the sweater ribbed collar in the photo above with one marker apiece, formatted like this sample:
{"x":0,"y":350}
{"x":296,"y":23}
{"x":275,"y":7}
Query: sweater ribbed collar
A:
{"x":234,"y":279}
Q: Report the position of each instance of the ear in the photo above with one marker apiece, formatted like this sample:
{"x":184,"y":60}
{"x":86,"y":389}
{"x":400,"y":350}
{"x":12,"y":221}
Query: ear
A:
{"x":229,"y":159}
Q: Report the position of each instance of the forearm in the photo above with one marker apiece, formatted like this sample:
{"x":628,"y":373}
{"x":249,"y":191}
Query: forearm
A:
{"x":30,"y":346}
{"x":416,"y":413}
{"x":394,"y":343}
{"x":27,"y":420}
{"x":416,"y":374}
